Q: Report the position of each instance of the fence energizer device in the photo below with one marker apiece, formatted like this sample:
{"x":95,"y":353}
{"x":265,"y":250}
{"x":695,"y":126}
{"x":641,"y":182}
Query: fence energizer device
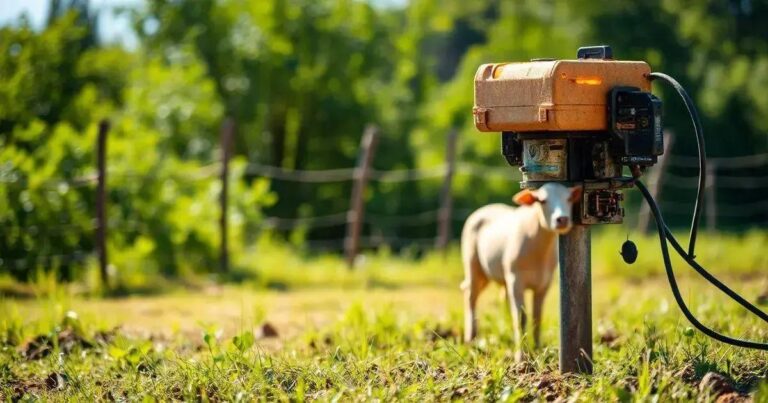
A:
{"x":581,"y":122}
{"x":574,"y":121}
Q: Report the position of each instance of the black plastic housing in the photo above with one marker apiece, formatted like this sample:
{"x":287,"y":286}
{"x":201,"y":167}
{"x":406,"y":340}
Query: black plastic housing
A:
{"x":636,"y":123}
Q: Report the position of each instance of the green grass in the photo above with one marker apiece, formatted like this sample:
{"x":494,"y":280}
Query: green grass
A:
{"x":389,"y":330}
{"x":720,"y":253}
{"x":271,"y":265}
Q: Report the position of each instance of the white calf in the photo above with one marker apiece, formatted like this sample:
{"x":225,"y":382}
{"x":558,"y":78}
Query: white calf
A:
{"x":515,"y":247}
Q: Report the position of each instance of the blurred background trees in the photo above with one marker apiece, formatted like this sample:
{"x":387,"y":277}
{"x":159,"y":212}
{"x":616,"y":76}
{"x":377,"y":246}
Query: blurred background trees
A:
{"x":302,"y":78}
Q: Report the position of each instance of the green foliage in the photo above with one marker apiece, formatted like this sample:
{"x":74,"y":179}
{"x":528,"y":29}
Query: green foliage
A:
{"x":301,"y":79}
{"x":163,"y":192}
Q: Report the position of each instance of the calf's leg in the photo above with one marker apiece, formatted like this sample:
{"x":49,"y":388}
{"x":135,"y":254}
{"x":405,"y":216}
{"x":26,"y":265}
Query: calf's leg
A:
{"x":517,"y":308}
{"x":474,"y":282}
{"x":538,"y":307}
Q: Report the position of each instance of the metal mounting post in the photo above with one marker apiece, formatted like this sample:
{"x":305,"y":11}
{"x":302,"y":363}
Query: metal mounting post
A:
{"x":576,"y":301}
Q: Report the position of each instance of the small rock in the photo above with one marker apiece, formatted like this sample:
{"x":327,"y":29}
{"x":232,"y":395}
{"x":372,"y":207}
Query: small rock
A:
{"x":608,"y":336}
{"x":460,"y":392}
{"x":266,"y":330}
{"x":55,"y":380}
{"x":106,"y":336}
{"x":763,"y":299}
{"x":686,"y":373}
{"x":629,"y":383}
{"x":67,"y":340}
{"x":716,"y":383}
{"x":37,"y":348}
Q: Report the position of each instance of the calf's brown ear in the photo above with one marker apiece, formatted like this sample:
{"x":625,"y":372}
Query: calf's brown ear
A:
{"x":575,"y":193}
{"x":525,"y":197}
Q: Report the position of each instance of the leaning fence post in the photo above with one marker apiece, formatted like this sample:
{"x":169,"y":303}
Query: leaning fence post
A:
{"x":711,"y":197}
{"x":101,"y":201}
{"x":227,"y":130}
{"x":356,"y":210}
{"x":445,"y":214}
{"x":656,"y":182}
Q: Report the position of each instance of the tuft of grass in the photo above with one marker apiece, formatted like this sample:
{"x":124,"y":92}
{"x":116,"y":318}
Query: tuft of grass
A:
{"x":273,"y":265}
{"x":720,"y":253}
{"x":388,"y":330}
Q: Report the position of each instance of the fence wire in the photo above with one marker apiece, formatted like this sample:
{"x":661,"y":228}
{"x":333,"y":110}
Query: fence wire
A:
{"x":391,"y":176}
{"x":22,"y":263}
{"x":747,"y":182}
{"x":746,"y":161}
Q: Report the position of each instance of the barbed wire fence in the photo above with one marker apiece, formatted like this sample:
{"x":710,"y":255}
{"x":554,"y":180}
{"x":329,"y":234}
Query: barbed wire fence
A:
{"x":729,"y":174}
{"x":746,"y":177}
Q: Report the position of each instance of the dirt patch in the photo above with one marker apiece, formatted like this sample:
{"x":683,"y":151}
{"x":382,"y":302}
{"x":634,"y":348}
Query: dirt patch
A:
{"x":552,"y":386}
{"x":33,"y":387}
{"x":106,"y":337}
{"x":460,"y":392}
{"x":762,"y":299}
{"x":733,"y":397}
{"x":609,"y":337}
{"x":67,"y":340}
{"x":549,"y":386}
{"x":441,"y":333}
{"x":266,"y":331}
{"x":687,"y":373}
{"x":43,"y":345}
{"x":716,"y":383}
{"x":326,"y":341}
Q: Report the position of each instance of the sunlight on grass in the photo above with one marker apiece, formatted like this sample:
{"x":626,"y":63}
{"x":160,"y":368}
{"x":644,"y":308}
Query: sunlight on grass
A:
{"x":289,"y":325}
{"x":364,"y":344}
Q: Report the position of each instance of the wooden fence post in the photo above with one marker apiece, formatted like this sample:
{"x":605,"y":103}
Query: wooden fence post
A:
{"x":576,"y":300}
{"x":445,"y":214}
{"x":356,"y":211}
{"x":227,"y":130}
{"x":656,"y":180}
{"x":711,"y":197}
{"x":101,"y":202}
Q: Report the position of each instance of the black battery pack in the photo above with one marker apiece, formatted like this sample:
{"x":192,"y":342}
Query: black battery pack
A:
{"x":636,"y":123}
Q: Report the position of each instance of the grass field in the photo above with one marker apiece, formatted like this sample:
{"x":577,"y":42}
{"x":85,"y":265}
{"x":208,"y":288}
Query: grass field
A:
{"x":308,"y":330}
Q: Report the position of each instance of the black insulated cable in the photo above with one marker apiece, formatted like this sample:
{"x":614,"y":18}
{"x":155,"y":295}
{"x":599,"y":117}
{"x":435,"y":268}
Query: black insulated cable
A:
{"x":666,"y":235}
{"x":698,"y":129}
{"x":662,"y":228}
{"x":712,"y":279}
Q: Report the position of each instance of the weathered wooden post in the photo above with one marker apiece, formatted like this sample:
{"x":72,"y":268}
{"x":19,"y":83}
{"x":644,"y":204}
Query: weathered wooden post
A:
{"x":445,"y":214}
{"x":101,"y":202}
{"x":227,"y":130}
{"x":357,"y":203}
{"x":711,"y":197}
{"x":656,"y":179}
{"x":576,"y":300}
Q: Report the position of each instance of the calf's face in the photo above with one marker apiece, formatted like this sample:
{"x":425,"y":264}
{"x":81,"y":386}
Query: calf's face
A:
{"x":555,"y":203}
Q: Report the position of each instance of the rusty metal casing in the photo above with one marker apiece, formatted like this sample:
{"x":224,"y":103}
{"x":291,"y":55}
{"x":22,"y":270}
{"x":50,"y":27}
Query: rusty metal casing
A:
{"x":558,"y":95}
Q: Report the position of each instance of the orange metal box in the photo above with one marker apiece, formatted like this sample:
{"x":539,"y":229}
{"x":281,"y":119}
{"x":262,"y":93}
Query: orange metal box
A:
{"x":561,"y":95}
